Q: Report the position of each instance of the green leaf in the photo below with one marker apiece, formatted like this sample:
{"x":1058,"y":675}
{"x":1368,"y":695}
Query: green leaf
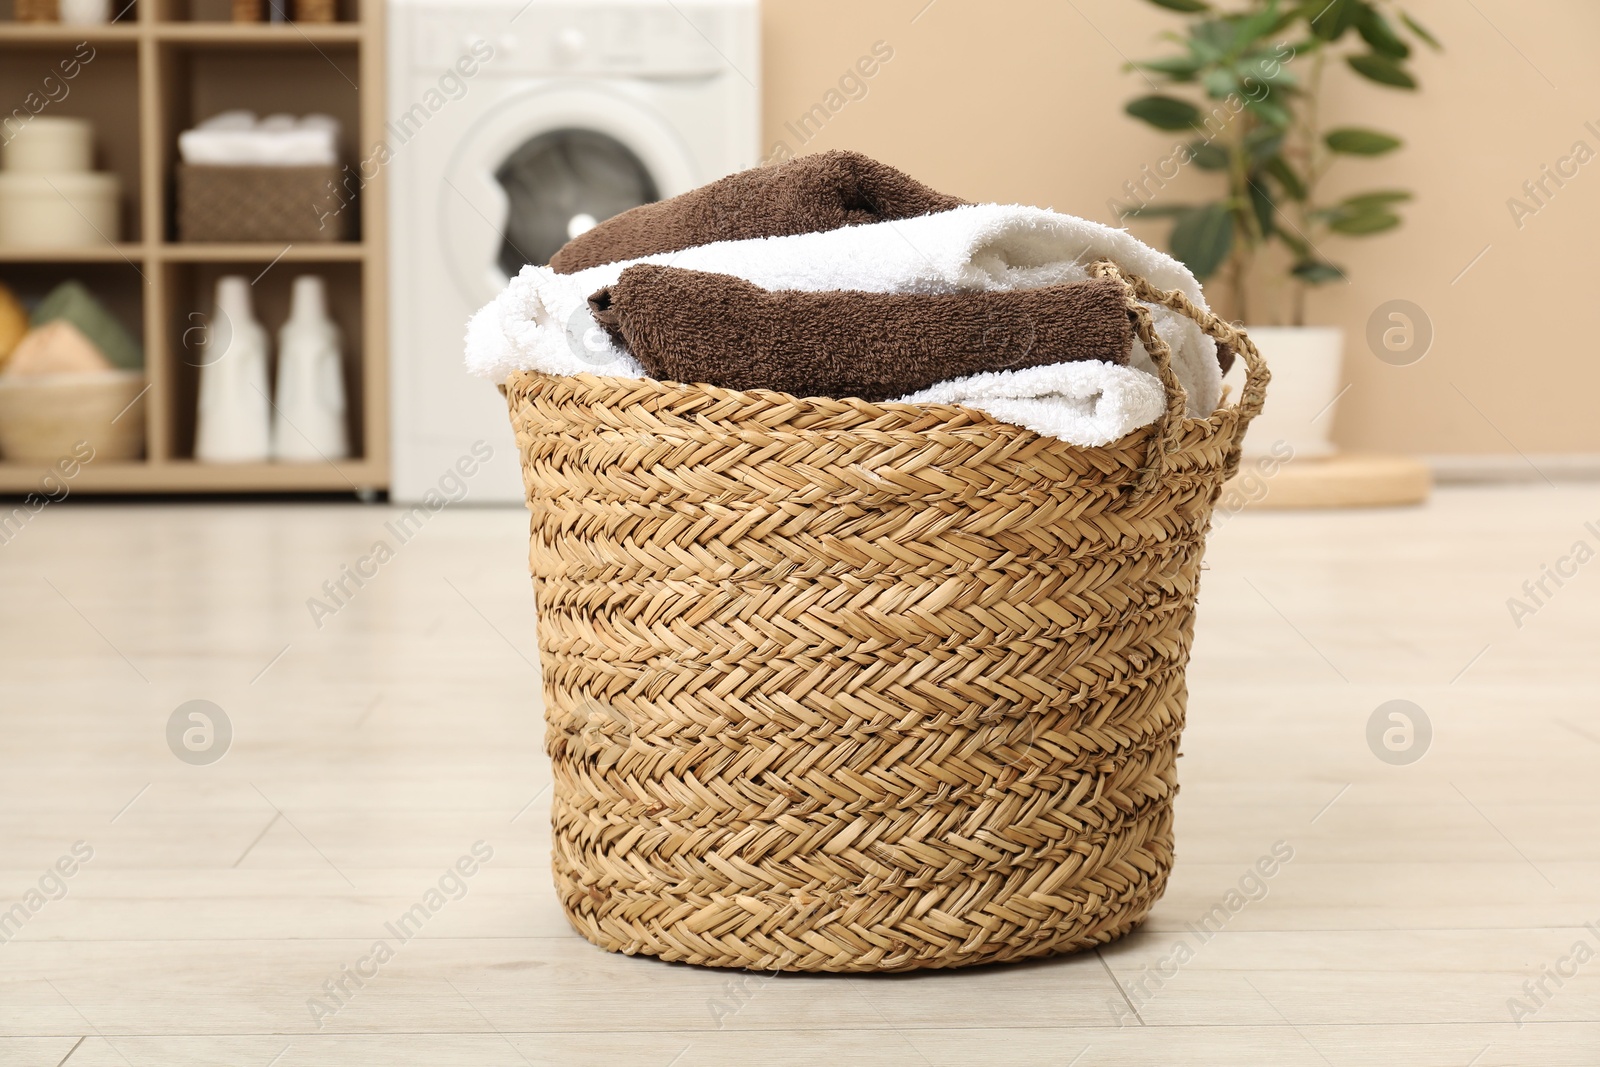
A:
{"x":1164,"y":112}
{"x":1329,"y":20}
{"x":1261,"y":203}
{"x":1285,"y":19}
{"x":1359,"y":224}
{"x":1203,"y":238}
{"x":1382,"y":70}
{"x":1207,"y":53}
{"x":1415,"y":27}
{"x":1293,"y":187}
{"x":1215,"y":35}
{"x":1377,"y":32}
{"x":1188,"y":7}
{"x":1317,"y":272}
{"x":1253,"y":69}
{"x":1178,"y":68}
{"x":1368,"y":201}
{"x":1364,"y":213}
{"x":1301,"y":249}
{"x":1219,"y":83}
{"x":1269,"y":110}
{"x":1156,"y":211}
{"x":1263,"y":143}
{"x":1354,"y":141}
{"x":1252,"y":27}
{"x":1208,"y":155}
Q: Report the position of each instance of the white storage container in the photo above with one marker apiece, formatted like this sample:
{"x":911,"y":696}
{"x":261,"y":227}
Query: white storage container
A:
{"x":50,"y":145}
{"x":59,"y":210}
{"x":85,"y":12}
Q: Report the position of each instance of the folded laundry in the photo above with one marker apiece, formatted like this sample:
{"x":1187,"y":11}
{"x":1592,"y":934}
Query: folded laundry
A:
{"x":1088,"y":404}
{"x":542,"y":321}
{"x":813,"y":193}
{"x":690,"y":326}
{"x":237,"y":138}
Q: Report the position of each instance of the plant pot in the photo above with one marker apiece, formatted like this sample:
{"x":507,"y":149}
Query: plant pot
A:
{"x":1306,"y":364}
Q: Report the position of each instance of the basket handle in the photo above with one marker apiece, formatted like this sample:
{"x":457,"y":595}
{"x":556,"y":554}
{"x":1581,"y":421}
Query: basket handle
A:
{"x":1169,"y":428}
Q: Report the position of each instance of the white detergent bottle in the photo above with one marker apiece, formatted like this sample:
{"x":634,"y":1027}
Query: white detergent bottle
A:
{"x":310,"y":424}
{"x":234,"y":420}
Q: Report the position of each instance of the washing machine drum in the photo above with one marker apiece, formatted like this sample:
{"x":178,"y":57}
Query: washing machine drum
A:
{"x":559,"y":184}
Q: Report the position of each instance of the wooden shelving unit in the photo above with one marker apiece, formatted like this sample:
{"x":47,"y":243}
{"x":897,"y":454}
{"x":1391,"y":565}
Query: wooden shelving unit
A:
{"x":160,"y":68}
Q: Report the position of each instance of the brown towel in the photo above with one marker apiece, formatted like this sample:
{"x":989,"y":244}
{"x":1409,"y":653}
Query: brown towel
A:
{"x":689,"y":326}
{"x":820,"y":192}
{"x":1225,"y":354}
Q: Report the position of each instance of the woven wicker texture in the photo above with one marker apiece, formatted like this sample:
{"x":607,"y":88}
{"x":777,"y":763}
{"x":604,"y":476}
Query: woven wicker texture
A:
{"x":839,"y":686}
{"x":37,"y":10}
{"x":315,"y":11}
{"x":256,"y":203}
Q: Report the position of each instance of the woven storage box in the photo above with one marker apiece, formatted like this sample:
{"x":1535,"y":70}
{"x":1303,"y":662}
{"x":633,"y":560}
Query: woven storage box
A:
{"x":841,"y":686}
{"x":253,"y":203}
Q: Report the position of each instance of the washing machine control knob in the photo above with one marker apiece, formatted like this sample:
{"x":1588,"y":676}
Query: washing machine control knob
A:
{"x":569,"y":44}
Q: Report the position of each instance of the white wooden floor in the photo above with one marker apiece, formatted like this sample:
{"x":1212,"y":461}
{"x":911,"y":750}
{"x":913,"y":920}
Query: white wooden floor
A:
{"x":370,"y":754}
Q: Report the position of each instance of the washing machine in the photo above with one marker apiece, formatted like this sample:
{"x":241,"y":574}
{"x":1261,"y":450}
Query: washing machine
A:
{"x":512,"y":127}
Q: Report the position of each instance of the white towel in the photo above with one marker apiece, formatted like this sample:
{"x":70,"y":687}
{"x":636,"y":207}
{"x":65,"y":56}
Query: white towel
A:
{"x":542,"y":322}
{"x":1087,"y":403}
{"x":237,"y":119}
{"x":236,"y":138}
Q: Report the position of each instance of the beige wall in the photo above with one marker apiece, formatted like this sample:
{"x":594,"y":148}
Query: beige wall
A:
{"x":1020,"y":100}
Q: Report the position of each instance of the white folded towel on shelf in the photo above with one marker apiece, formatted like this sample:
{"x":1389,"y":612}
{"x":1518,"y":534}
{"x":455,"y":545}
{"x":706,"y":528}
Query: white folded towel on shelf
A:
{"x":541,"y":320}
{"x":237,"y":119}
{"x":237,"y":138}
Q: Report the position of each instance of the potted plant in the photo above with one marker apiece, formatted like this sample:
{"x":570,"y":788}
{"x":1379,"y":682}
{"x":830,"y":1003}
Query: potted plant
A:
{"x":1258,"y":73}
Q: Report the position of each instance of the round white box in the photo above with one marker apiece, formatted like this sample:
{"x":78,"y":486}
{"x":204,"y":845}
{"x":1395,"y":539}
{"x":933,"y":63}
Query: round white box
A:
{"x":50,"y":145}
{"x":59,"y":210}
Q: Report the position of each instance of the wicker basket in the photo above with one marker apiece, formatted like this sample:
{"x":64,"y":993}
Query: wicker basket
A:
{"x":840,"y":686}
{"x":255,"y":203}
{"x":47,"y":417}
{"x":37,"y":10}
{"x":315,"y":11}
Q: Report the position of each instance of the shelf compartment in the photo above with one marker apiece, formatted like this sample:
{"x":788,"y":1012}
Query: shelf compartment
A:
{"x":119,"y":286}
{"x":190,"y":288}
{"x":199,"y":82}
{"x":98,"y":90}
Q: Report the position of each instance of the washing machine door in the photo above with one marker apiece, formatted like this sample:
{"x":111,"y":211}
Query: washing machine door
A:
{"x":541,"y":167}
